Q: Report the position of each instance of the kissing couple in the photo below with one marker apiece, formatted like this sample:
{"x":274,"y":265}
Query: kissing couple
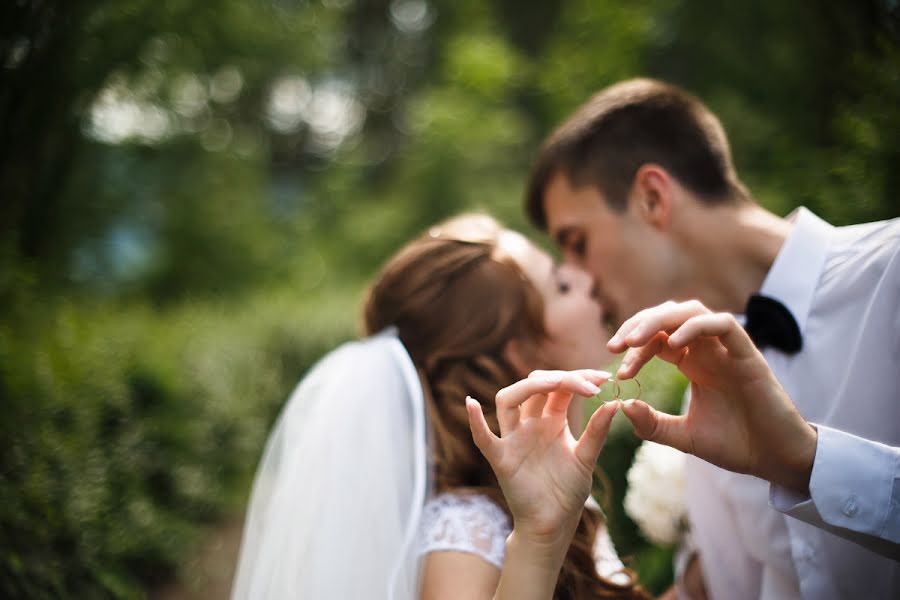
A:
{"x":446,"y":455}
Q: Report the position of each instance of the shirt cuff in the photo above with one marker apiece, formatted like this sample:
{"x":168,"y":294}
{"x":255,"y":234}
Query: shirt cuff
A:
{"x":851,"y":484}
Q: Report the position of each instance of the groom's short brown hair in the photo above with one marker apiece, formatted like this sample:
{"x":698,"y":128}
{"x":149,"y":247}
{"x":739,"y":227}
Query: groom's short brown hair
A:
{"x":630,"y":124}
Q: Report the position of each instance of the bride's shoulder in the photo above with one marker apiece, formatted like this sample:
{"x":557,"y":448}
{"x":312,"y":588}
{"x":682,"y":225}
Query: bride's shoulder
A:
{"x":465,"y":522}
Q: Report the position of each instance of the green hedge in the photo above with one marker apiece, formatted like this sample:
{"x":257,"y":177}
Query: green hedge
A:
{"x":126,"y":432}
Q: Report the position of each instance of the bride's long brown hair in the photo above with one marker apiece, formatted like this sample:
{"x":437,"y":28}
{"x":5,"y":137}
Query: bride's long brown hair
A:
{"x":457,"y":300}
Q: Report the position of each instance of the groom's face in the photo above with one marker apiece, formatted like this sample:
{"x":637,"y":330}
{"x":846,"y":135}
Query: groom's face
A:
{"x":628,"y":258}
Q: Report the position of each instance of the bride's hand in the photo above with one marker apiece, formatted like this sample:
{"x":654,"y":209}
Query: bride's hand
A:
{"x":544,"y":472}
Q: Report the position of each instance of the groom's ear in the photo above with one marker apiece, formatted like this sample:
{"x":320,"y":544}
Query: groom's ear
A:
{"x":653,"y":195}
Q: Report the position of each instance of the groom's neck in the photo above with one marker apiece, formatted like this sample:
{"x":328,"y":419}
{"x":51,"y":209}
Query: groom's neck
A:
{"x":730,"y":250}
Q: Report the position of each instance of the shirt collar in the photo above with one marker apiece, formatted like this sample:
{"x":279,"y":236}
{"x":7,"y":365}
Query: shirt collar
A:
{"x":795,"y":272}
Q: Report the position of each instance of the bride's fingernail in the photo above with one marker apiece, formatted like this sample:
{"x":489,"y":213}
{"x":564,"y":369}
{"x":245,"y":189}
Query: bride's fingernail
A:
{"x":601,"y":374}
{"x":589,"y":388}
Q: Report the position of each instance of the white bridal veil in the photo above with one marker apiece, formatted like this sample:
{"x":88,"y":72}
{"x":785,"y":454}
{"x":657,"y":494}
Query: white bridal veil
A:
{"x":338,"y":495}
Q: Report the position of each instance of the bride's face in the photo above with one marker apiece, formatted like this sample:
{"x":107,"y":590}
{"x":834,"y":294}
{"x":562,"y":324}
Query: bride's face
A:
{"x":573,"y":318}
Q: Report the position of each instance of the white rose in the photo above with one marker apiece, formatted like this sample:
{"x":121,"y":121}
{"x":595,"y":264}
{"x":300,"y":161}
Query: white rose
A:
{"x":655,"y":498}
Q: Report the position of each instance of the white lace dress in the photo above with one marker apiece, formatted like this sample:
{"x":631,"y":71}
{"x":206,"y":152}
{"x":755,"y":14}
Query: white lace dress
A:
{"x":476,"y":525}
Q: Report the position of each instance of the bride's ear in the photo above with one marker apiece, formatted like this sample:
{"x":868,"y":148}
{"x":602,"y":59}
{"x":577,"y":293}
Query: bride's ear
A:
{"x":522,"y":355}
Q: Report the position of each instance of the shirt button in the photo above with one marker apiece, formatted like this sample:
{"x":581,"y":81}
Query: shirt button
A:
{"x":851,"y":508}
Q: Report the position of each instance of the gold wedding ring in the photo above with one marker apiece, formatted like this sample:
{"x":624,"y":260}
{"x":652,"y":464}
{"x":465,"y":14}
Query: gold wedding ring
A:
{"x":617,"y":390}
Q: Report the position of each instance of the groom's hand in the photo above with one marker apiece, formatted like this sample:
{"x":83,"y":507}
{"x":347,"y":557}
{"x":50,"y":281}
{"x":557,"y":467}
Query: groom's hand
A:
{"x":739,"y":418}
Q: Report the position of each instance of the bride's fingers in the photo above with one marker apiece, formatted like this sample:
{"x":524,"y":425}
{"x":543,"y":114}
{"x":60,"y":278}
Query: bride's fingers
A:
{"x":593,"y":375}
{"x":482,"y":435}
{"x":510,"y":398}
{"x":588,"y":447}
{"x":533,"y":407}
{"x":557,"y":405}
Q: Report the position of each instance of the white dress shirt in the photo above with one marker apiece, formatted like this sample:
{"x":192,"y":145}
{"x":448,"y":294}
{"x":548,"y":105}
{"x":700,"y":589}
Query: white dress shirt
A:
{"x":843,"y":287}
{"x":854,"y":492}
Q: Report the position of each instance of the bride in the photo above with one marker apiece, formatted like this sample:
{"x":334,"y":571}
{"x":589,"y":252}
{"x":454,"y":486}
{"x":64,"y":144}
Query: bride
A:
{"x":381,"y":479}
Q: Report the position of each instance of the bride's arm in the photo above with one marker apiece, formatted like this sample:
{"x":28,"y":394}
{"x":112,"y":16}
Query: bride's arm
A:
{"x":544,"y":472}
{"x":449,"y":575}
{"x":532,"y":566}
{"x":529,"y":571}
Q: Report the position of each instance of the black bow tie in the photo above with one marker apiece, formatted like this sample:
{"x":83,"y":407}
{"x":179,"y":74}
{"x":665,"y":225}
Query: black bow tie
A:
{"x":770,"y":323}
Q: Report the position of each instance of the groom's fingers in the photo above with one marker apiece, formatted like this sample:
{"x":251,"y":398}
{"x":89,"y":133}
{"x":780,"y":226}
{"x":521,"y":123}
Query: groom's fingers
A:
{"x":617,"y":341}
{"x":667,"y":317}
{"x":591,"y":441}
{"x":659,"y":427}
{"x":720,"y":325}
{"x":636,"y":358}
{"x":482,"y":435}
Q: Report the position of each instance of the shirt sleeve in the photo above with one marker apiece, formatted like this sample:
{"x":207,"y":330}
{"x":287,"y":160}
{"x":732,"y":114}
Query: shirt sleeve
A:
{"x":854,"y":492}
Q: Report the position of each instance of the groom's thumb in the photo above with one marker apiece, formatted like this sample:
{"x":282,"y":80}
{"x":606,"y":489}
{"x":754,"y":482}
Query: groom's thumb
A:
{"x":650,"y":424}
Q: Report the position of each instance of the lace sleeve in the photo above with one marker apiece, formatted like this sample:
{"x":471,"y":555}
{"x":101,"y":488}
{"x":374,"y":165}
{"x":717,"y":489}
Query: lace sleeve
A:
{"x":472,"y":524}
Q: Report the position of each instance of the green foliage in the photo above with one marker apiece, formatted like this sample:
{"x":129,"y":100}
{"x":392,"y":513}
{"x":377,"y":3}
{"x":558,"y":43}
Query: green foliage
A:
{"x":192,"y":192}
{"x":126,"y":431}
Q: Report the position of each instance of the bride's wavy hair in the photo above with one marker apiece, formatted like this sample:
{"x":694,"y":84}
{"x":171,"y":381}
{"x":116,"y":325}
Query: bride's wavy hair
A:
{"x":457,"y":300}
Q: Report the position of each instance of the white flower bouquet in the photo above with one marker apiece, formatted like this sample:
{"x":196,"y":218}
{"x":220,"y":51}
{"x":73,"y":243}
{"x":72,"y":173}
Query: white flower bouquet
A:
{"x":655,"y":498}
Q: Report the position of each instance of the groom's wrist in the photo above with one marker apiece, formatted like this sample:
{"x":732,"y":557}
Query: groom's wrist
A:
{"x":798,"y":465}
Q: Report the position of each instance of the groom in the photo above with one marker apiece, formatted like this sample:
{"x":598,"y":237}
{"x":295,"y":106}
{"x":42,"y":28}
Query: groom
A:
{"x":638,"y":187}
